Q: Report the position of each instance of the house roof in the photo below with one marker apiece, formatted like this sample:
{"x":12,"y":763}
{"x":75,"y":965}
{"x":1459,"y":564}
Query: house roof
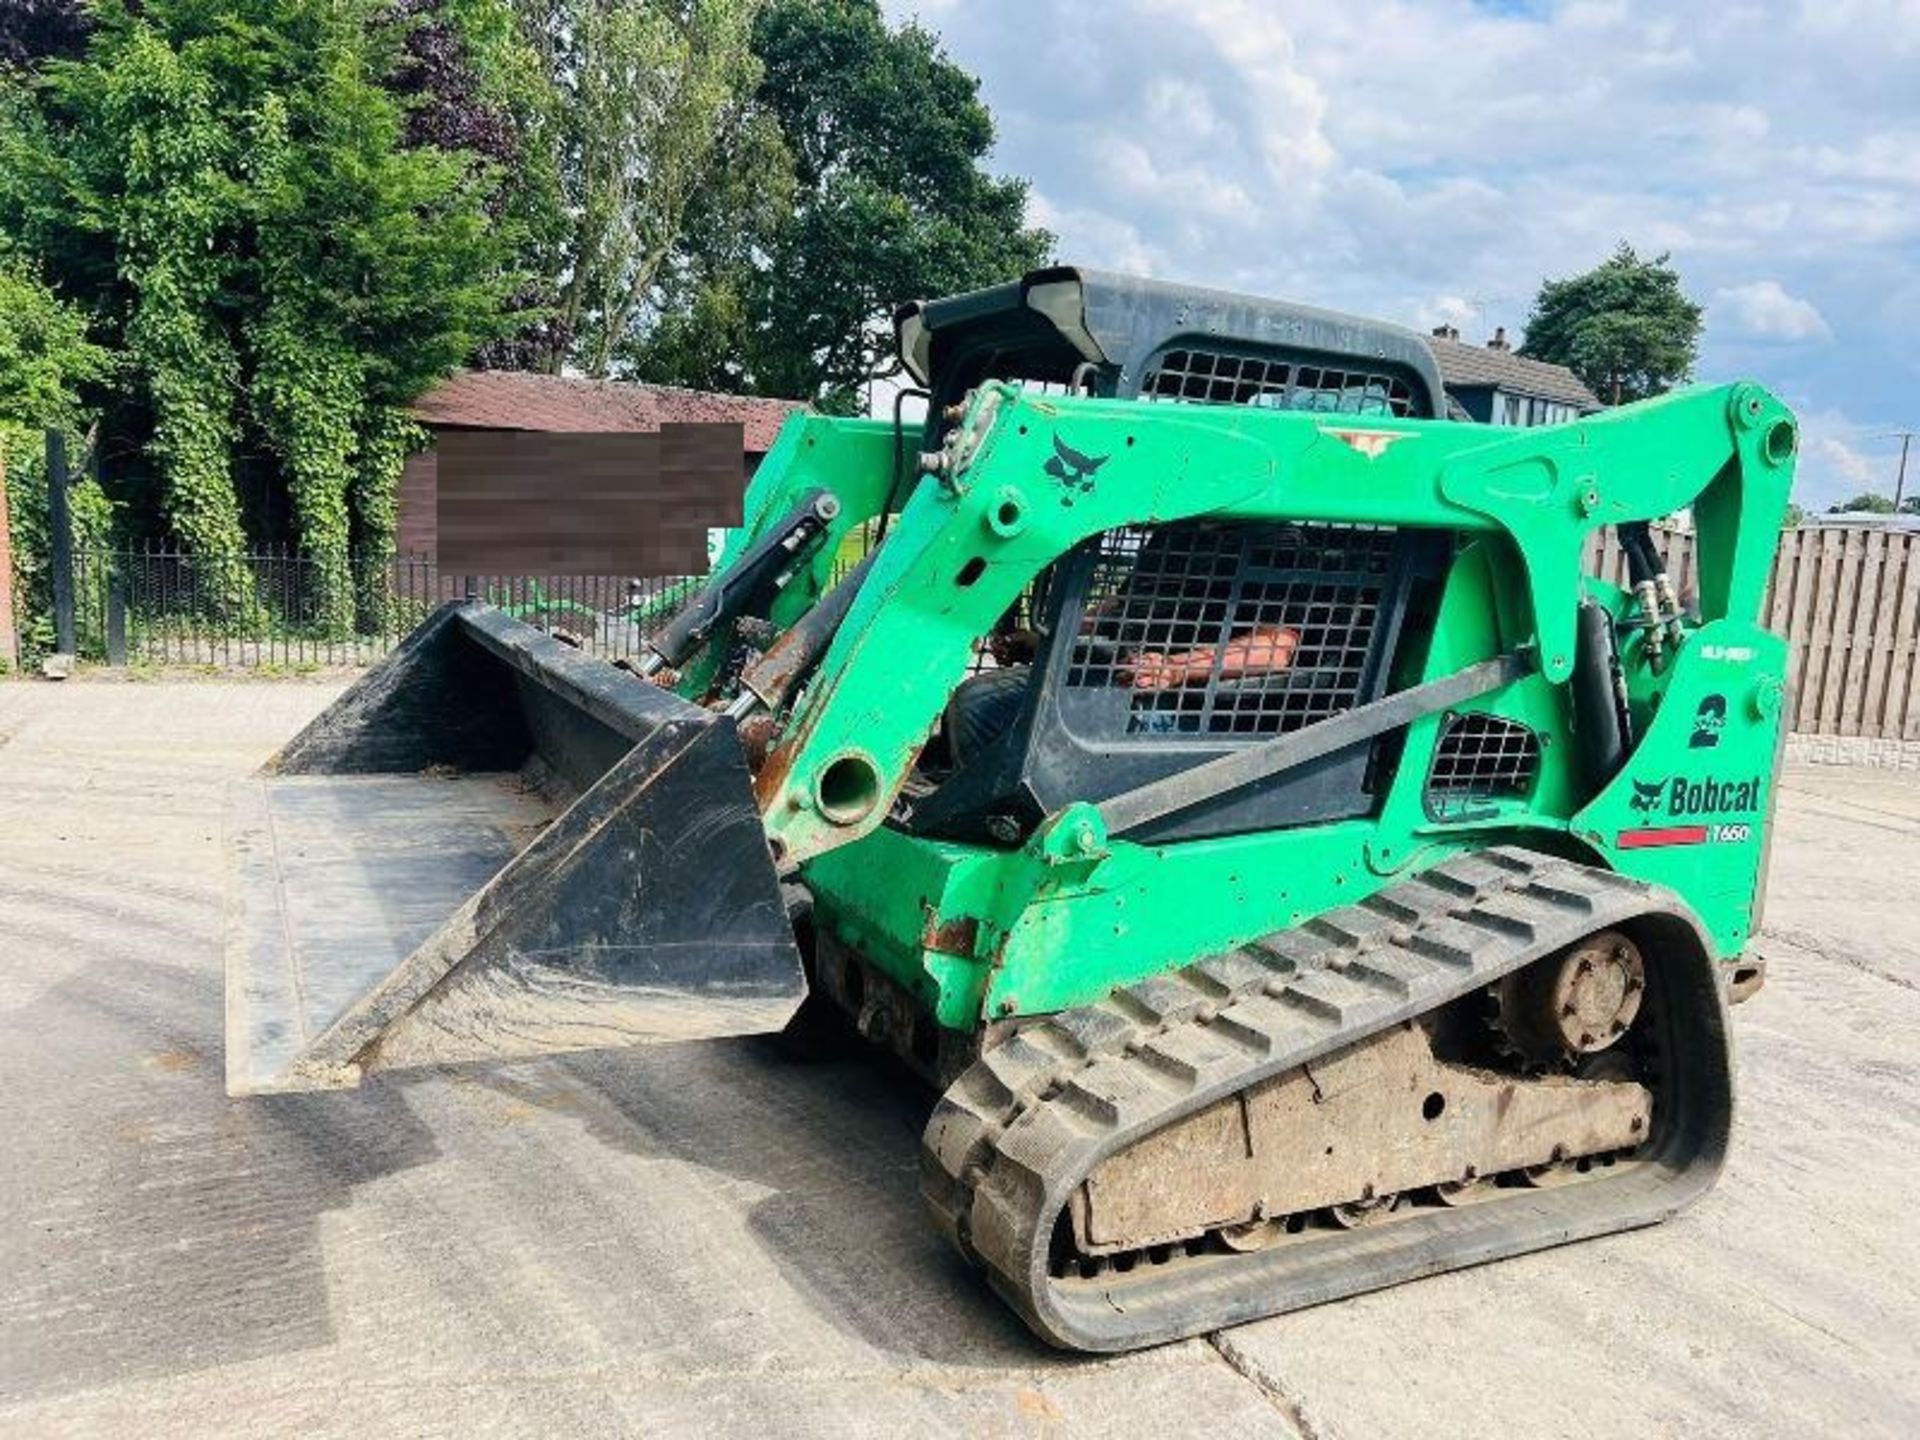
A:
{"x":1465,"y":366}
{"x":1862,"y":520}
{"x":520,"y":400}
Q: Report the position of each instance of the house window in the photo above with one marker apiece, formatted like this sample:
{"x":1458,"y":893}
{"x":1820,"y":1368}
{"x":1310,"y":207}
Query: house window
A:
{"x":1526,"y":410}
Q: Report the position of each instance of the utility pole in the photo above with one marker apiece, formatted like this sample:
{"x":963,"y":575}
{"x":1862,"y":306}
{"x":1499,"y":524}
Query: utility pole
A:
{"x":1906,"y":439}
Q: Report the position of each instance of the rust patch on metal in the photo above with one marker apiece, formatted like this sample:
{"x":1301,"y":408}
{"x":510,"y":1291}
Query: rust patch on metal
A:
{"x":1378,"y":1118}
{"x":950,"y":937}
{"x":666,"y":677}
{"x":757,"y":735}
{"x":771,"y":777}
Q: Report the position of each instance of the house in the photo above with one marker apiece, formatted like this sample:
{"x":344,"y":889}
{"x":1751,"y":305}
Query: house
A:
{"x":519,"y":400}
{"x":1497,"y":387}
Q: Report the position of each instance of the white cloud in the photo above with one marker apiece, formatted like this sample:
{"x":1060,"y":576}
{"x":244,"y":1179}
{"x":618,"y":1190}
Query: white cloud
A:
{"x":1135,"y":171}
{"x":1428,"y":160}
{"x":1117,"y":243}
{"x":1763,"y":310}
{"x":1455,"y":310}
{"x":1182,"y":105}
{"x":1840,"y":457}
{"x":1840,"y":460}
{"x":1255,"y":46}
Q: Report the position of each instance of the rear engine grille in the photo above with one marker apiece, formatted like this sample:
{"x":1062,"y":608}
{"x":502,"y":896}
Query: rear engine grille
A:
{"x":1231,"y":630}
{"x":1221,"y":378}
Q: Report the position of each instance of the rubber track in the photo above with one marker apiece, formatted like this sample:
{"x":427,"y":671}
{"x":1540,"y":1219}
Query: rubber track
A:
{"x":1018,"y":1131}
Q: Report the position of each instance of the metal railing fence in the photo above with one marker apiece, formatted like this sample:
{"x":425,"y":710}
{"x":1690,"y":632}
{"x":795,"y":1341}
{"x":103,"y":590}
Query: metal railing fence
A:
{"x":1846,"y":598}
{"x":157,"y":604}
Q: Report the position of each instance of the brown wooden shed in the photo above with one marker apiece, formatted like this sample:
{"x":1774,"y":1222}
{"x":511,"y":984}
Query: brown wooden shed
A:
{"x":518,"y":400}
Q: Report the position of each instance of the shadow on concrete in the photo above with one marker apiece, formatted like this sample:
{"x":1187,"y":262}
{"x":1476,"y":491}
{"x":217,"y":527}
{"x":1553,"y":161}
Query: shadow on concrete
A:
{"x":836,"y":1142}
{"x":154,"y":1225}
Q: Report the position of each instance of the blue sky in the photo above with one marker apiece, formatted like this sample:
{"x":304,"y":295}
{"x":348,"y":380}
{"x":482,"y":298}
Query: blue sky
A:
{"x":1436,"y":160}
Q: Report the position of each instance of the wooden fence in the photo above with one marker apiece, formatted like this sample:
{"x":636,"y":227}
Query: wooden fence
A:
{"x":1848,"y":600}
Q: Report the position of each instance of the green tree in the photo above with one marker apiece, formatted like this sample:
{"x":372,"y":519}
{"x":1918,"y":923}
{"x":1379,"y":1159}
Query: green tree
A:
{"x":45,"y":359}
{"x":476,"y":82}
{"x":227,"y":186}
{"x":1625,"y":327}
{"x":1867,"y":502}
{"x":1793,"y":517}
{"x":621,"y":139}
{"x":699,"y":321}
{"x":45,"y":355}
{"x":886,"y":138}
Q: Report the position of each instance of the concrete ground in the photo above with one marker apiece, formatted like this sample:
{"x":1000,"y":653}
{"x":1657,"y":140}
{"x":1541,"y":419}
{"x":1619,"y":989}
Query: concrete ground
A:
{"x":713,"y":1239}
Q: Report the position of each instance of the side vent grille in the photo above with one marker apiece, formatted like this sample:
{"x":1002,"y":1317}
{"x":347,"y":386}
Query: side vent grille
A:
{"x":1478,"y":759}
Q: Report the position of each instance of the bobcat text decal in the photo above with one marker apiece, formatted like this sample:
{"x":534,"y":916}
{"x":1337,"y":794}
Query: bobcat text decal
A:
{"x":1682,"y":799}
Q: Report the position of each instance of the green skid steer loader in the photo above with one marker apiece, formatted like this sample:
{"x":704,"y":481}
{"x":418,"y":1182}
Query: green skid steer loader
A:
{"x":1224,"y":778}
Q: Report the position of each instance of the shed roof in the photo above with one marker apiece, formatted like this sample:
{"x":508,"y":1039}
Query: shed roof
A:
{"x":1465,"y":366}
{"x":521,"y":400}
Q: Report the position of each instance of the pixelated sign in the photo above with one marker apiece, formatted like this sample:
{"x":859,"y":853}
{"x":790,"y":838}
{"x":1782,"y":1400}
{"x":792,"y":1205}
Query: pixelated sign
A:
{"x":523,"y":502}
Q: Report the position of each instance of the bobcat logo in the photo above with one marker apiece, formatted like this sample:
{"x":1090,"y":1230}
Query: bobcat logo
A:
{"x":1073,"y":470}
{"x":1646,"y":795}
